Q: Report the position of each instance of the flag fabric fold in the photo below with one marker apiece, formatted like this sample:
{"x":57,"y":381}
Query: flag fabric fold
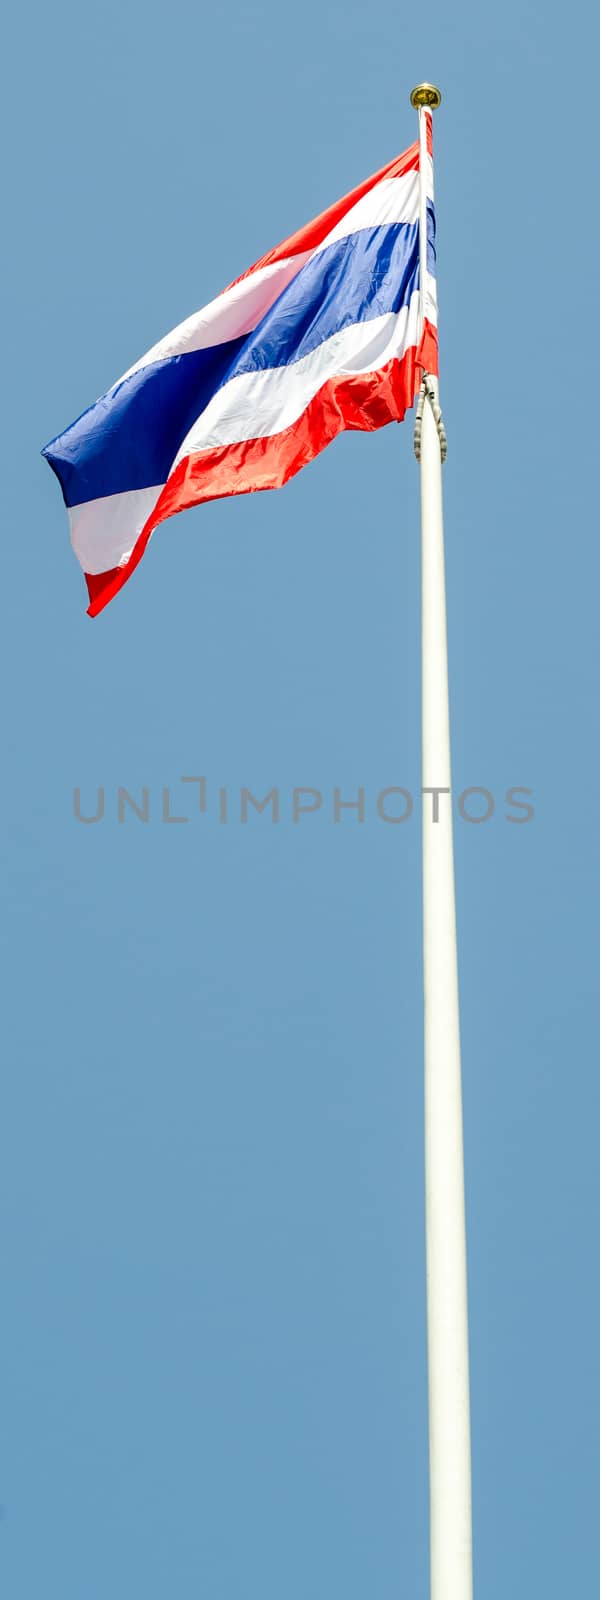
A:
{"x":321,"y":335}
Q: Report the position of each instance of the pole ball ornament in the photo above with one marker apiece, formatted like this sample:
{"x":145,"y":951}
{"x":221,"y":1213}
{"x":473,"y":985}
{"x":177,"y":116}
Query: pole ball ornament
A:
{"x":426,"y":94}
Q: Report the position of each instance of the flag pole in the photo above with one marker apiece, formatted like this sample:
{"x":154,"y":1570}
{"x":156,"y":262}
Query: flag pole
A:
{"x":446,"y":1269}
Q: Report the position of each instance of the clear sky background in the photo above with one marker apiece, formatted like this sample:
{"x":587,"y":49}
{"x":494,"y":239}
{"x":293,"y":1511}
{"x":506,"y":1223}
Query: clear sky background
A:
{"x":213,"y":1327}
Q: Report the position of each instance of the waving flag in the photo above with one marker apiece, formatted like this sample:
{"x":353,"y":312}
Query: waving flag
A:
{"x":321,"y":335}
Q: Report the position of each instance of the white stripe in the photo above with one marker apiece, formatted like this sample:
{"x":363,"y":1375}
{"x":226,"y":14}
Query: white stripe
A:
{"x":256,"y":405}
{"x":238,"y":310}
{"x":392,"y":200}
{"x":104,"y":531}
{"x":430,"y":303}
{"x":429,"y":178}
{"x":234,"y":312}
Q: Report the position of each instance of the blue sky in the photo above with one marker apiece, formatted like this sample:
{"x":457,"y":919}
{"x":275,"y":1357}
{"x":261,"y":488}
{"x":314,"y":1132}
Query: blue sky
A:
{"x":211,"y":1171}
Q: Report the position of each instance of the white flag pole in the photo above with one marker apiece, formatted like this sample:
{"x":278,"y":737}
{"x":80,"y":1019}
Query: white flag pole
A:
{"x":447,"y":1328}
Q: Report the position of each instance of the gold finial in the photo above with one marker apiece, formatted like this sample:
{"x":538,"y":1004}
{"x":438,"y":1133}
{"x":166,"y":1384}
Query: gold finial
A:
{"x":426,"y":94}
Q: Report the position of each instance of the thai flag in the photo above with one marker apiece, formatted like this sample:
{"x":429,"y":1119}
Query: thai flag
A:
{"x":321,"y":335}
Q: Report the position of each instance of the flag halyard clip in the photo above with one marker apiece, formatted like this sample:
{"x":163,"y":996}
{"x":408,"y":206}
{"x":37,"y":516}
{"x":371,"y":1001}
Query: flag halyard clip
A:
{"x":427,"y":392}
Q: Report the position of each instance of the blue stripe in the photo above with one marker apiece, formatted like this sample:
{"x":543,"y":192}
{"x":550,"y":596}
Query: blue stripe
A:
{"x":130,"y":437}
{"x":365,"y":275}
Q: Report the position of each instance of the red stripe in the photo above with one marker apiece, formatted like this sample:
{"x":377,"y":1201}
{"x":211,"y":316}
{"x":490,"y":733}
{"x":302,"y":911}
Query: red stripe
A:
{"x":312,"y":234}
{"x":365,"y":402}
